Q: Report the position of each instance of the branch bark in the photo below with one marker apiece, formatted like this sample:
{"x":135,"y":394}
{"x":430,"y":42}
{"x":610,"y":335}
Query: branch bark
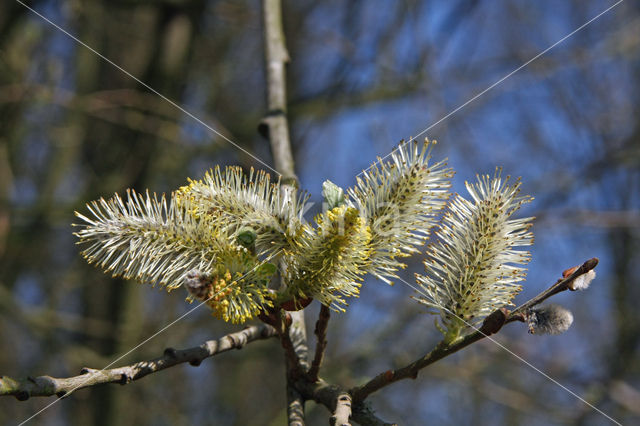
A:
{"x":328,"y":395}
{"x":342,"y":413}
{"x":276,"y":129}
{"x":274,"y":125}
{"x":295,"y":406}
{"x":23,"y":389}
{"x":321,"y":344}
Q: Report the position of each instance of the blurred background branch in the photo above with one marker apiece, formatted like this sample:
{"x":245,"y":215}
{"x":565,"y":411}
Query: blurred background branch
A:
{"x":363,"y":75}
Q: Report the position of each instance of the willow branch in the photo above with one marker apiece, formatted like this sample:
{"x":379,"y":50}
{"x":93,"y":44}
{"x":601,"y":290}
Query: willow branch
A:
{"x":321,"y":344}
{"x":23,"y":389}
{"x":491,"y":325}
{"x":276,"y":129}
{"x":560,"y":286}
{"x":295,"y":406}
{"x":295,"y":364}
{"x":274,"y":125}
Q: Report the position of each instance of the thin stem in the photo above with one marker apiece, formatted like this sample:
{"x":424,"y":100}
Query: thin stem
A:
{"x":558,"y":287}
{"x":47,"y":386}
{"x":492,"y":324}
{"x":411,"y":371}
{"x":294,"y":364}
{"x":321,"y":344}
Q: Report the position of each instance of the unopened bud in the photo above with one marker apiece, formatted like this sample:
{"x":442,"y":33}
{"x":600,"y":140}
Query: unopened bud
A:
{"x":333,"y":194}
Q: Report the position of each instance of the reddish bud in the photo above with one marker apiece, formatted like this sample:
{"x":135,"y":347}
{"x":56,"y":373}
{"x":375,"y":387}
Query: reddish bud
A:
{"x":568,"y":272}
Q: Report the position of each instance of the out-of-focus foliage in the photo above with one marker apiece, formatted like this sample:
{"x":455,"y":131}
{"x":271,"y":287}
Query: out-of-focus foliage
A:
{"x":363,"y":75}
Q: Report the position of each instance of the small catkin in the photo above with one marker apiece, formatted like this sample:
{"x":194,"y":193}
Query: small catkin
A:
{"x":549,"y":319}
{"x":583,"y":281}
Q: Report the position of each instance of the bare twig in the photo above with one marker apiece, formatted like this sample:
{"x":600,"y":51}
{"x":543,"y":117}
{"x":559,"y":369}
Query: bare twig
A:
{"x":48,"y":386}
{"x":321,"y":344}
{"x":295,"y":368}
{"x":560,"y":286}
{"x":411,"y":371}
{"x":492,"y":324}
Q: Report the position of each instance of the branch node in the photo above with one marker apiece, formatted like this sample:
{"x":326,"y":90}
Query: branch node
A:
{"x":61,"y":394}
{"x":494,"y":322}
{"x":195,"y":362}
{"x":519,"y":316}
{"x":266,"y":332}
{"x":22,"y":396}
{"x":237,"y":341}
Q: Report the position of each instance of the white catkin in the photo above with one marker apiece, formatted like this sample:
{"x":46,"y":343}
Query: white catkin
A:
{"x":400,"y":200}
{"x":474,"y":266}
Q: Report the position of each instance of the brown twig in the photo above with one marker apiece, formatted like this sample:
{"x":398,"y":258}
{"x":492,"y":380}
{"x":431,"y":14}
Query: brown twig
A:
{"x":560,"y":286}
{"x":492,"y":324}
{"x":294,"y":367}
{"x":411,"y":371}
{"x":321,"y":344}
{"x":47,"y":386}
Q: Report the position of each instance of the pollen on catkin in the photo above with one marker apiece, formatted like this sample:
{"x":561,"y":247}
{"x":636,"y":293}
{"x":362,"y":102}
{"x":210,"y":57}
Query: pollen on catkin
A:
{"x":236,"y":200}
{"x":474,"y":267}
{"x":329,"y":263}
{"x":400,"y":201}
{"x":162,"y":242}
